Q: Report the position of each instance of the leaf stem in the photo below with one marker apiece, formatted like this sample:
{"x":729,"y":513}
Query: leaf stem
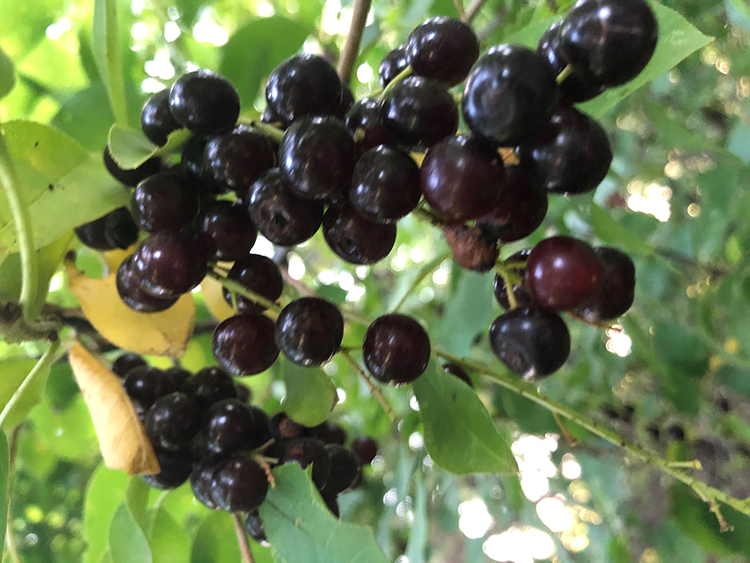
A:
{"x":353,"y":40}
{"x":24,"y":232}
{"x":373,"y":389}
{"x":47,"y":359}
{"x":473,"y":11}
{"x":422,"y":275}
{"x":707,"y":493}
{"x":242,"y":541}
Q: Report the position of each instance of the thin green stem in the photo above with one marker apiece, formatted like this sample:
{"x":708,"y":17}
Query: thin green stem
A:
{"x":373,"y":389}
{"x":47,"y":359}
{"x":564,"y":73}
{"x":24,"y":232}
{"x":240,"y":289}
{"x":435,"y":264}
{"x":398,"y":78}
{"x":511,"y":279}
{"x":242,"y":541}
{"x":524,"y":389}
{"x":269,"y":131}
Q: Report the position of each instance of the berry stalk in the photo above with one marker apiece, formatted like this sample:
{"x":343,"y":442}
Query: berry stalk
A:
{"x":353,"y":39}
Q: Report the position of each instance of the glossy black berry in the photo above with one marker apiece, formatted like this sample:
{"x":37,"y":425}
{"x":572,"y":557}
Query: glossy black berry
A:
{"x":262,"y":432}
{"x":459,"y":372}
{"x":226,"y":231}
{"x":571,"y":155}
{"x":303,"y":85}
{"x":193,"y":166}
{"x":580,"y":85}
{"x":419,"y":111}
{"x":260,"y":275}
{"x":618,"y":288}
{"x":346,"y":103}
{"x":393,"y":64}
{"x":172,"y":421}
{"x":125,"y":363}
{"x":330,"y":433}
{"x":175,"y":469}
{"x":521,"y":290}
{"x":180,"y":376}
{"x":210,"y":385}
{"x":240,"y":485}
{"x":309,"y":330}
{"x":129,"y":289}
{"x":613,"y":40}
{"x":385,"y":185}
{"x":244,"y":393}
{"x":204,"y":102}
{"x":244,"y":345}
{"x":364,"y":120}
{"x":229,"y":426}
{"x":462,"y":178}
{"x":235,"y":160}
{"x":254,"y":527}
{"x":354,"y":238}
{"x":281,"y":216}
{"x":365,"y":448}
{"x":114,"y":230}
{"x":306,"y":451}
{"x":564,"y":273}
{"x":164,"y":202}
{"x":157,"y":121}
{"x":202,"y":482}
{"x":92,"y":234}
{"x":519,"y":211}
{"x":509,"y":95}
{"x":442,"y":48}
{"x":316,"y":156}
{"x":146,"y":385}
{"x":345,"y":470}
{"x":532,"y":342}
{"x":396,"y":349}
{"x":169,"y":264}
{"x":130,"y":177}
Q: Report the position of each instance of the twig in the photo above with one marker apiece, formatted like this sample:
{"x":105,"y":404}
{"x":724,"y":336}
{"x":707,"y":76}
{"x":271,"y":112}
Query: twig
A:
{"x":707,"y":493}
{"x":240,"y":289}
{"x":424,"y":214}
{"x":242,"y":541}
{"x":353,"y":39}
{"x":24,"y":232}
{"x":373,"y":389}
{"x":460,"y":9}
{"x":568,"y":436}
{"x":675,"y":256}
{"x":473,"y":11}
{"x":436,"y":262}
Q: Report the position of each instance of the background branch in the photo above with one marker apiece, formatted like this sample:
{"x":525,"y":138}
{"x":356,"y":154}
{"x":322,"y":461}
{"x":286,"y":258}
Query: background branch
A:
{"x":353,"y":39}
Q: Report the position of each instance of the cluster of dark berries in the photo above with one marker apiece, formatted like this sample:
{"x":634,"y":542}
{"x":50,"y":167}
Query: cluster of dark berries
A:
{"x":203,"y":429}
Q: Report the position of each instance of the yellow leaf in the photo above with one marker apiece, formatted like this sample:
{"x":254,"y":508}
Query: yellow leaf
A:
{"x":122,"y":439}
{"x":159,"y":334}
{"x":113,"y":258}
{"x":214,"y":299}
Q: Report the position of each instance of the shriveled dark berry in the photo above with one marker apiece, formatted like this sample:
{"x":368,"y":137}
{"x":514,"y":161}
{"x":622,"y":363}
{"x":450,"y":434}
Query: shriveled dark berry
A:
{"x":442,"y":48}
{"x":393,"y":64}
{"x":175,"y":469}
{"x":157,"y":121}
{"x":306,"y":451}
{"x":364,"y":120}
{"x":385,"y":185}
{"x":281,"y":216}
{"x":205,"y":102}
{"x":345,"y":470}
{"x":396,"y":349}
{"x":309,"y":330}
{"x":172,"y":421}
{"x":244,"y":344}
{"x":509,"y":95}
{"x":168,"y":264}
{"x":260,"y":275}
{"x":462,"y":178}
{"x":365,"y":448}
{"x":226,"y":231}
{"x":618,"y":288}
{"x":202,"y":482}
{"x":354,"y":238}
{"x":254,"y":527}
{"x":303,"y":85}
{"x":129,"y":289}
{"x":164,"y":202}
{"x":125,"y":363}
{"x":236,"y":159}
{"x":210,"y":385}
{"x":316,"y":156}
{"x":240,"y":485}
{"x":133,"y":176}
{"x":532,"y":342}
{"x":459,"y":372}
{"x":419,"y":111}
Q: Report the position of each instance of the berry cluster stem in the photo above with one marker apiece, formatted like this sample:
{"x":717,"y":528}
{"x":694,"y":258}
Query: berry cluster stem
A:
{"x":273,"y":133}
{"x":373,"y":388}
{"x":406,"y":73}
{"x":510,"y":279}
{"x":240,"y":289}
{"x":353,"y":39}
{"x":242,"y":541}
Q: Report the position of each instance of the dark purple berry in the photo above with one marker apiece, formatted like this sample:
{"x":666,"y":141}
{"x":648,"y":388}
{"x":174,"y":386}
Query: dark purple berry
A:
{"x":175,"y":469}
{"x":157,"y":121}
{"x":347,"y":101}
{"x":133,"y":176}
{"x":173,"y":421}
{"x":306,"y":451}
{"x":229,"y":426}
{"x":354,"y":238}
{"x":210,"y":385}
{"x":254,"y":527}
{"x":226,"y":231}
{"x":180,"y":377}
{"x":282,"y":427}
{"x":260,"y":275}
{"x":393,"y":64}
{"x":244,"y":393}
{"x":236,"y":159}
{"x":202,"y":482}
{"x":365,"y":448}
{"x":129,"y":289}
{"x":164,"y":202}
{"x":244,"y":344}
{"x":396,"y":349}
{"x":532,"y":342}
{"x":364,"y":120}
{"x":240,"y":485}
{"x":309,"y":331}
{"x":618,"y":289}
{"x":345,"y":470}
{"x":204,"y":102}
{"x":146,"y":385}
{"x":521,"y":291}
{"x":119,"y":229}
{"x":169,"y":264}
{"x":125,"y":363}
{"x":442,"y":48}
{"x":330,"y":433}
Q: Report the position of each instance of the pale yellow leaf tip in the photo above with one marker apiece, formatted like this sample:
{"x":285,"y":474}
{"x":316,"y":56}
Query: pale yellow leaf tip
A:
{"x":122,"y":439}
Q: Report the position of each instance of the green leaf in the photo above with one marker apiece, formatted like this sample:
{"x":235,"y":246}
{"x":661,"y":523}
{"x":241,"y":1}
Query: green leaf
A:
{"x":14,"y":372}
{"x":415,"y":549}
{"x":739,"y":142}
{"x":310,"y":394}
{"x":63,"y":186}
{"x":136,"y":499}
{"x":4,"y":470}
{"x":127,"y":542}
{"x":397,"y":300}
{"x":256,"y":48}
{"x":215,"y":541}
{"x":7,"y":74}
{"x":106,"y":46}
{"x":301,"y":529}
{"x":168,"y":541}
{"x":458,"y":431}
{"x":104,"y":495}
{"x":530,"y":34}
{"x":613,"y":233}
{"x":677,"y":39}
{"x":468,"y":312}
{"x":131,"y":148}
